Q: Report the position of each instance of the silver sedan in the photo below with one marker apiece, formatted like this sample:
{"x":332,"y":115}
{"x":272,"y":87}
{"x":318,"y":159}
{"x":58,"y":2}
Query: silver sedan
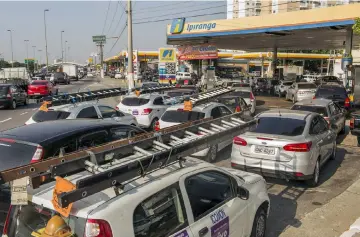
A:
{"x":286,"y":144}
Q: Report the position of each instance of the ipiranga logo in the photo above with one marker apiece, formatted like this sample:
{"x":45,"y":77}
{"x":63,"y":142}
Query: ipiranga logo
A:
{"x":204,"y":26}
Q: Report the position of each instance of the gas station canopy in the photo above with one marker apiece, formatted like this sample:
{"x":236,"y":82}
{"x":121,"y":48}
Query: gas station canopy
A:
{"x":322,"y":28}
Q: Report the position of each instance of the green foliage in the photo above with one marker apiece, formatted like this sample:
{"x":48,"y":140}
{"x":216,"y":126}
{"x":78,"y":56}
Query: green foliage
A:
{"x":356,"y":26}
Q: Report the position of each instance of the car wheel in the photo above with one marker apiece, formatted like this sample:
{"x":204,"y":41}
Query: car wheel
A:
{"x":259,"y":225}
{"x":333,"y":154}
{"x":153,"y":124}
{"x":342,"y":131}
{"x":314,"y":181}
{"x":212,"y":154}
{"x":13,"y":105}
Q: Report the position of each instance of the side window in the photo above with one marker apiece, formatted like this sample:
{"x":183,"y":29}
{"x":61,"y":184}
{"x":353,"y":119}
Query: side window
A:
{"x":13,"y":89}
{"x":337,"y":109}
{"x":314,"y":126}
{"x":158,"y":101}
{"x":119,"y":133}
{"x":243,"y":104}
{"x":64,"y":147}
{"x":216,"y":113}
{"x":160,"y":215}
{"x":93,"y":139}
{"x":324,"y":126}
{"x":207,"y":191}
{"x":224,"y":111}
{"x":88,"y":112}
{"x":107,"y":112}
{"x":332,"y":109}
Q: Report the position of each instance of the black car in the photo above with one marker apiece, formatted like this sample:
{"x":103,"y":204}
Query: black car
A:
{"x":35,"y":142}
{"x":336,"y":93}
{"x":61,"y":77}
{"x":328,"y":79}
{"x":12,"y":95}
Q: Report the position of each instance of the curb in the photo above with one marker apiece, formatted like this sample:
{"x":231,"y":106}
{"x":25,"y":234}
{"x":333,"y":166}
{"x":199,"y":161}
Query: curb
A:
{"x":353,"y":231}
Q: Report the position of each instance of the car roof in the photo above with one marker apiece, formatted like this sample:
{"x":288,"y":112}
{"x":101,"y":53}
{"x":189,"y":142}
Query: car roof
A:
{"x":3,"y":85}
{"x":41,"y":132}
{"x":314,"y":102}
{"x":286,"y":113}
{"x":74,"y":107}
{"x":82,"y":208}
{"x":145,"y":96}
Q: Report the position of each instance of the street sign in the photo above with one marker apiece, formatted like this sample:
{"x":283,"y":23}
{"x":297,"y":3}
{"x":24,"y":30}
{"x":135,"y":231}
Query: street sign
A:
{"x":99,"y":39}
{"x":29,"y":60}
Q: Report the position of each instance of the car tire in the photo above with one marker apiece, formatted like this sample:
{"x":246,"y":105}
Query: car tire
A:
{"x":153,"y":123}
{"x":259,"y":225}
{"x":333,"y":154}
{"x":13,"y":105}
{"x":212,"y":154}
{"x":314,"y":181}
{"x":342,"y":131}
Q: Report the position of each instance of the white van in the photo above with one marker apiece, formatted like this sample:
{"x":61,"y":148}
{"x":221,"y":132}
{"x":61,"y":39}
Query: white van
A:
{"x":183,"y":76}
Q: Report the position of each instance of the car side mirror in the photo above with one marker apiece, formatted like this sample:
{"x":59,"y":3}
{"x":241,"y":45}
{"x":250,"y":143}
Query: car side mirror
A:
{"x":242,"y":193}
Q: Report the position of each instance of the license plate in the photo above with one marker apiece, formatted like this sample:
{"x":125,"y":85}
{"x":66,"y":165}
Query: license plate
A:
{"x":33,"y":101}
{"x":265,"y":150}
{"x":36,"y":93}
{"x":135,"y":112}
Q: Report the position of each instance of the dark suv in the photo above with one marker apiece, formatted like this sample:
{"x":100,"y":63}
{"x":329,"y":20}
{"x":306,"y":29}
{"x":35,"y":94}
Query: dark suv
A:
{"x":35,"y":142}
{"x":11,"y":96}
{"x":61,"y":77}
{"x":336,"y":93}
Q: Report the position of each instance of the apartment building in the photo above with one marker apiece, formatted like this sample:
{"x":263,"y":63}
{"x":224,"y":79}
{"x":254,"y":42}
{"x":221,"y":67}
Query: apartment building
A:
{"x":246,"y":8}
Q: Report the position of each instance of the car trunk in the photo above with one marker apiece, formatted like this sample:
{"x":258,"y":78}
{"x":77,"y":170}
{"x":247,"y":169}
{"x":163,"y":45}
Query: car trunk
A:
{"x":268,"y":146}
{"x":14,"y":154}
{"x":38,"y":88}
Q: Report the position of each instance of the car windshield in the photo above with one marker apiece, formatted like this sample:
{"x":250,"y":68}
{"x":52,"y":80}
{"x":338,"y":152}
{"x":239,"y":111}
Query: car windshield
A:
{"x":39,"y":83}
{"x":134,"y":101}
{"x":31,"y":220}
{"x":42,"y":116}
{"x":289,"y":126}
{"x":181,"y":116}
{"x":307,"y":86}
{"x":316,"y":109}
{"x":331,"y":92}
{"x":14,"y":154}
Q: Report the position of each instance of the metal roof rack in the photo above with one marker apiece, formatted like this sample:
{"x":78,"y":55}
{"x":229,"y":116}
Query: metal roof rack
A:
{"x":114,"y":164}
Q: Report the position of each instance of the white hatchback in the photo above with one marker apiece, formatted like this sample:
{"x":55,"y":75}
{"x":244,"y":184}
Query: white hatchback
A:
{"x":176,"y":115}
{"x":147,"y":108}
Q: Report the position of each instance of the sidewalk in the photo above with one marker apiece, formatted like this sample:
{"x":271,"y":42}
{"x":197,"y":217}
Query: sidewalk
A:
{"x":333,"y":218}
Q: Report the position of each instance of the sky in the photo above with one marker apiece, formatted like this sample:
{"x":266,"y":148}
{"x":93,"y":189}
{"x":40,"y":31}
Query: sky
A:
{"x":82,"y":19}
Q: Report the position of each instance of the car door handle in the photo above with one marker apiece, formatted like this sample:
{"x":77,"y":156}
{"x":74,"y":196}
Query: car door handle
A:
{"x":203,"y":231}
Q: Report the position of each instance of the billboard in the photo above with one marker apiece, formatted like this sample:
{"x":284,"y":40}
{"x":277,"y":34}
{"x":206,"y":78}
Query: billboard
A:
{"x":203,"y":51}
{"x":167,"y":55}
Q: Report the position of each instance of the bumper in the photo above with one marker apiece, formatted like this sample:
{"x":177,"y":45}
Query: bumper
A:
{"x":305,"y":97}
{"x":37,"y":94}
{"x":280,"y":174}
{"x":60,"y":81}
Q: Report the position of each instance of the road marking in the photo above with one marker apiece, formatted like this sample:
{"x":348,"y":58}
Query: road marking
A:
{"x":34,"y":109}
{"x":24,"y":113}
{"x":5,"y":120}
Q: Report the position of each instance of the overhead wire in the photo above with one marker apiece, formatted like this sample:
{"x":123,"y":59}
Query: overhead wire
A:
{"x":113,"y":18}
{"x":122,"y":31}
{"x":118,"y":23}
{"x":162,"y":6}
{"x":107,"y":13}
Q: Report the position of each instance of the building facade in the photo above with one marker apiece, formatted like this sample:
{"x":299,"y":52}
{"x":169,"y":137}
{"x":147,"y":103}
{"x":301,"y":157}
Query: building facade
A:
{"x":246,"y":8}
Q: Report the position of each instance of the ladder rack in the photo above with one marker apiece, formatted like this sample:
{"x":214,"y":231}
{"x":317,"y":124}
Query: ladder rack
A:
{"x":115,"y":163}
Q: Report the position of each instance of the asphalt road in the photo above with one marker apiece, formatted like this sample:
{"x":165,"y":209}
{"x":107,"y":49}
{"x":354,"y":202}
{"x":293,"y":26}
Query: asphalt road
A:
{"x":14,"y":118}
{"x":290,"y":201}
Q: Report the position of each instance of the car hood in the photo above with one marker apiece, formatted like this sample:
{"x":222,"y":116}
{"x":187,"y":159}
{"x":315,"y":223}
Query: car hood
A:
{"x":248,"y":178}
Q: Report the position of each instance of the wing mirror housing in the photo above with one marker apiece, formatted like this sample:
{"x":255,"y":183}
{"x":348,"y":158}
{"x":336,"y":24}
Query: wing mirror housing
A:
{"x":242,"y":193}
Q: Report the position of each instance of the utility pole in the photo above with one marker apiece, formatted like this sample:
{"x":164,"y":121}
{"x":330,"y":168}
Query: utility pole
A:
{"x":130,"y":48}
{"x":102,"y":59}
{"x":27,"y":54}
{"x":62,"y":50}
{"x":46,"y":48}
{"x":39,"y":62}
{"x":34,"y":47}
{"x":65,"y":49}
{"x":12,"y":49}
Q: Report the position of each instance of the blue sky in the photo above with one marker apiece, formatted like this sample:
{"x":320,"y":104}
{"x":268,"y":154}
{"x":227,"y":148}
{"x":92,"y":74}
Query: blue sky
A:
{"x":81,"y":20}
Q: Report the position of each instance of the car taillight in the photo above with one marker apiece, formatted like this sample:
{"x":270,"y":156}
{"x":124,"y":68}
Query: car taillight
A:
{"x":314,"y":97}
{"x":347,"y":103}
{"x":327,"y":119}
{"x":238,"y":109}
{"x":298,"y":147}
{"x":97,"y":228}
{"x":352,"y":121}
{"x":157,"y":126}
{"x":239,"y":141}
{"x":37,"y":155}
{"x":252,"y":97}
{"x":117,"y":108}
{"x":9,"y":94}
{"x":6,"y":224}
{"x":146,"y":112}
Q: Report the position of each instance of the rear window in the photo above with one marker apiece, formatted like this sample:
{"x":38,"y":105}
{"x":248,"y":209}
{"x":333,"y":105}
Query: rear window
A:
{"x":331,"y":92}
{"x":316,"y":109}
{"x":4,"y":90}
{"x":289,"y":126}
{"x":180,"y":116}
{"x":42,"y":116}
{"x":307,"y":86}
{"x":230,"y":102}
{"x":31,"y":220}
{"x":58,"y":74}
{"x":15,"y":154}
{"x":133,"y":101}
{"x":39,"y":83}
{"x":243,"y":94}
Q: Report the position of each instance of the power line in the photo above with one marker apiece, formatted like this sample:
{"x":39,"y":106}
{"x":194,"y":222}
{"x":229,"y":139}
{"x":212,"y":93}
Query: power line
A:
{"x":195,"y":10}
{"x":162,"y":6}
{"x":107,"y":12}
{"x":113,"y":18}
{"x":118,"y":23}
{"x":122,"y":31}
